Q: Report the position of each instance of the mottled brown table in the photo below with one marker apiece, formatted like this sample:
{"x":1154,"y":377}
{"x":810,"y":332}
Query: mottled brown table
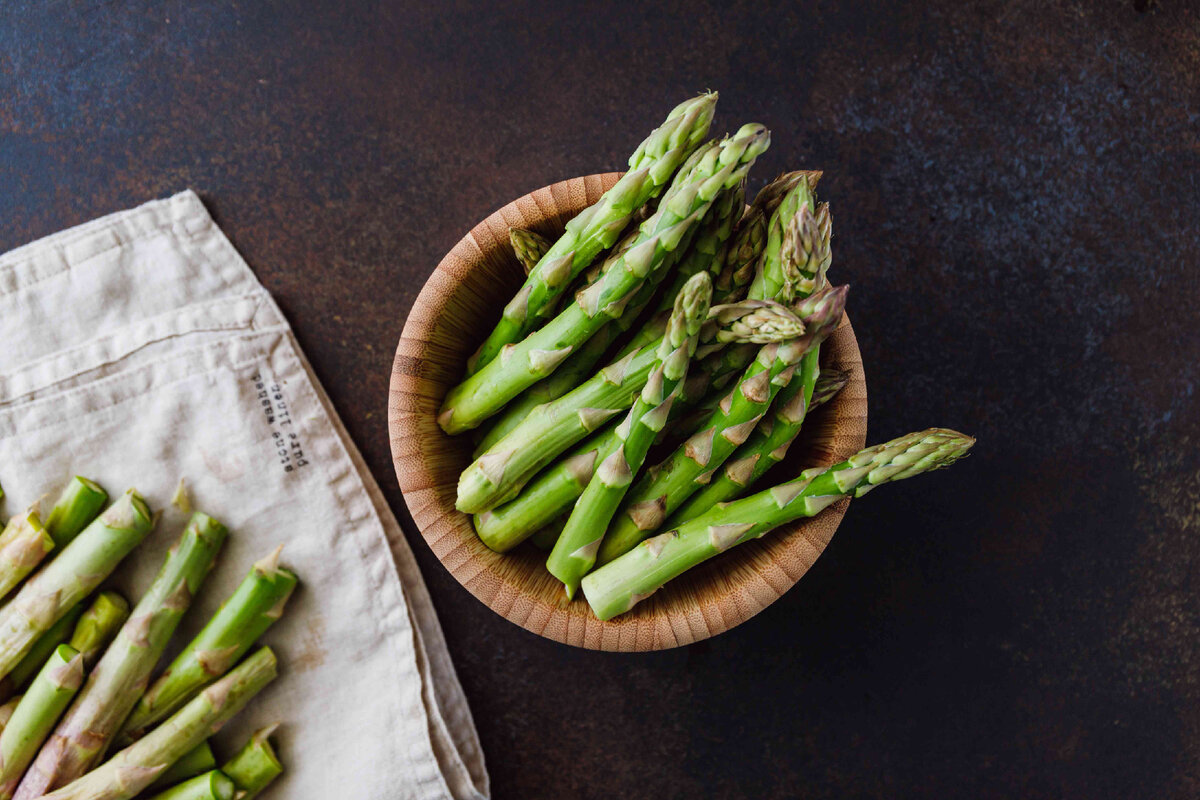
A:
{"x":1016,"y":203}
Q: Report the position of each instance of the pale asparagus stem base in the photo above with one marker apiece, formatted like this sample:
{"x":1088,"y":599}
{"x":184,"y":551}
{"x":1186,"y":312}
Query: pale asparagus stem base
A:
{"x":536,"y":356}
{"x":664,"y":488}
{"x":620,"y":585}
{"x":212,"y":785}
{"x":34,"y":717}
{"x":79,"y":504}
{"x":575,"y":551}
{"x":198,"y":760}
{"x":130,"y":771}
{"x":252,"y":608}
{"x":114,"y":686}
{"x":255,"y":766}
{"x":71,"y":576}
{"x":597,"y":227}
{"x":23,"y":545}
{"x":98,"y":626}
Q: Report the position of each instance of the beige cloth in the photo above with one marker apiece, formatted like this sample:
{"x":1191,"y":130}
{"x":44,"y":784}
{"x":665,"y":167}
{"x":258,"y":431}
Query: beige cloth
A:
{"x":138,"y":349}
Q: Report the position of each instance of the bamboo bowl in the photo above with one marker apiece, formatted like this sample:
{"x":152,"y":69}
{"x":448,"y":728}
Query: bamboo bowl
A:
{"x":456,"y":308}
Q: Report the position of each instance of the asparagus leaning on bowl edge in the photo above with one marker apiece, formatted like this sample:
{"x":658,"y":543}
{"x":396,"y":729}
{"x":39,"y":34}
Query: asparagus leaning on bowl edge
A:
{"x":84,"y":715}
{"x":661,"y":357}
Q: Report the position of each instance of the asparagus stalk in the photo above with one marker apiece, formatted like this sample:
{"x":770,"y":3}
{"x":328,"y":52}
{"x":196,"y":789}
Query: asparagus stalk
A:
{"x":133,"y":769}
{"x":113,"y":688}
{"x":528,"y":246}
{"x":775,"y":277}
{"x":575,"y":551}
{"x":621,"y":584}
{"x":597,"y":228}
{"x":25,"y":670}
{"x":252,"y":608}
{"x":79,"y":504}
{"x":23,"y":545}
{"x":255,"y":766}
{"x":198,"y":760}
{"x":212,"y":785}
{"x":98,"y":626}
{"x":35,"y":715}
{"x":661,"y":490}
{"x":71,"y":576}
{"x":769,"y":443}
{"x":660,"y":236}
{"x":6,"y":711}
{"x":545,"y":537}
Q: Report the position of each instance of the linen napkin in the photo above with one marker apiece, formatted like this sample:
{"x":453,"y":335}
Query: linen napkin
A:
{"x":139,"y":349}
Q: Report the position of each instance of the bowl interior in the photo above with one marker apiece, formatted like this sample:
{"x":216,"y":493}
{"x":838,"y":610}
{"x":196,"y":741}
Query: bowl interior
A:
{"x":457,"y":307}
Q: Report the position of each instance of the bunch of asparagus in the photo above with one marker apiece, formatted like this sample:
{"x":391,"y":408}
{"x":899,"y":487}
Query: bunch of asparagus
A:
{"x":77,"y":666}
{"x":708,"y":318}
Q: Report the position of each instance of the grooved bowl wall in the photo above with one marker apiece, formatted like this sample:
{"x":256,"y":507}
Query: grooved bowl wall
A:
{"x":455,"y":310}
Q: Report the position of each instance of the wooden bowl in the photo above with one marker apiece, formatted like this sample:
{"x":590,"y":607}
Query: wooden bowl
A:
{"x":455,"y":310}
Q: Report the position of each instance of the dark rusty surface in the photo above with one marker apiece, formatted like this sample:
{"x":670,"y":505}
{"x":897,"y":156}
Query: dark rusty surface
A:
{"x":1016,"y":202}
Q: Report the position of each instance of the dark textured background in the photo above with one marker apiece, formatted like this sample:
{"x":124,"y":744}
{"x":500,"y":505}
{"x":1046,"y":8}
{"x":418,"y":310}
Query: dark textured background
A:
{"x":1015,"y":195}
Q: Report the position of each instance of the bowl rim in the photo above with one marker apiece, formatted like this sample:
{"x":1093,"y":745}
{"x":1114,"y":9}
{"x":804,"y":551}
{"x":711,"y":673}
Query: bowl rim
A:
{"x":422,"y":370}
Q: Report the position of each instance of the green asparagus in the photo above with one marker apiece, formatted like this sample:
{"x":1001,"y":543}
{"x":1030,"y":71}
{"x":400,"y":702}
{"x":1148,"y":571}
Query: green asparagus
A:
{"x":34,"y":717}
{"x":664,"y":488}
{"x":776,"y":277}
{"x":535,"y":357}
{"x":618,"y":586}
{"x":79,"y":504}
{"x":575,"y":551}
{"x":130,"y":771}
{"x":73,"y":574}
{"x":98,"y":626}
{"x":198,"y":760}
{"x":255,"y":766}
{"x":597,"y":228}
{"x":87,"y":729}
{"x":23,"y":545}
{"x":528,"y":246}
{"x":59,"y":633}
{"x":253,"y":607}
{"x":212,"y":785}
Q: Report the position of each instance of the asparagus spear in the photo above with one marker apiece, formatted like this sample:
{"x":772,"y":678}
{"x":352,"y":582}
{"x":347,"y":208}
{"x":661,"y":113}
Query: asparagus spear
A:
{"x":133,"y":769}
{"x":620,"y":585}
{"x":255,"y":765}
{"x":545,"y":537}
{"x":25,"y":670}
{"x":23,"y":545}
{"x":575,"y":551}
{"x":252,"y":608}
{"x":212,"y":785}
{"x":775,"y":278}
{"x":72,"y":575}
{"x":79,"y":504}
{"x":768,"y":445}
{"x":535,"y":357}
{"x":114,"y":686}
{"x":98,"y":625}
{"x":35,"y":715}
{"x":528,"y":246}
{"x":596,"y":228}
{"x":661,"y":490}
{"x":198,"y":760}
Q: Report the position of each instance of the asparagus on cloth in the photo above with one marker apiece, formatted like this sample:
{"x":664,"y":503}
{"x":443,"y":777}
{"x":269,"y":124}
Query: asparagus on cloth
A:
{"x":252,"y":608}
{"x":120,"y":677}
{"x":575,"y":551}
{"x":79,"y":504}
{"x":71,"y":576}
{"x":130,"y":771}
{"x":661,"y":490}
{"x":34,"y":717}
{"x":98,"y":625}
{"x":23,"y":545}
{"x":212,"y":785}
{"x":535,"y":357}
{"x":60,"y":633}
{"x":621,"y":584}
{"x":255,"y":765}
{"x":597,"y":227}
{"x":198,"y":760}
